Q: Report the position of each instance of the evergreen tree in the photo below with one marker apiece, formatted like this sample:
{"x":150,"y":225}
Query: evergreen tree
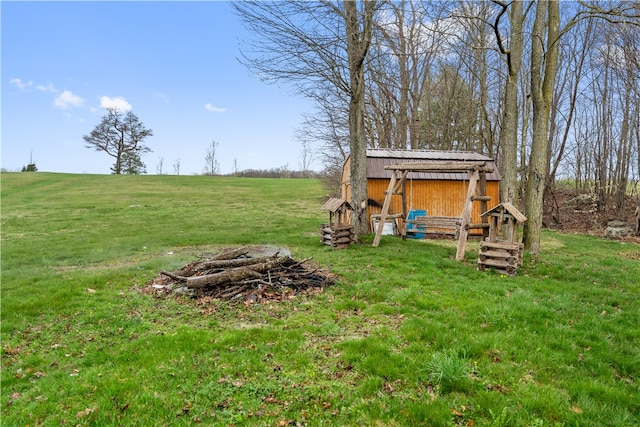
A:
{"x":131,"y":164}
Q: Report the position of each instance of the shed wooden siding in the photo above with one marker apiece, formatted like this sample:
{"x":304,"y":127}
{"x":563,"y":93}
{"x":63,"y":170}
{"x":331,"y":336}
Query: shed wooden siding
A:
{"x":437,"y":197}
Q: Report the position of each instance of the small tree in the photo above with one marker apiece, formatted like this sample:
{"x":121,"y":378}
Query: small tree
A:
{"x":131,"y":164}
{"x":160,"y":166}
{"x":176,"y":166}
{"x":211,"y":166}
{"x":118,"y":134}
{"x":306,"y":156}
{"x":31,"y":167}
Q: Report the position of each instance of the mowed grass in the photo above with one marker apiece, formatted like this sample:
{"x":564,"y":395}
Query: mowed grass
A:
{"x":407,"y":336}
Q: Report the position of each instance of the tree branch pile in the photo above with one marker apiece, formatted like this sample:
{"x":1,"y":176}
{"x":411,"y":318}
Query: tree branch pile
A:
{"x":237,"y":275}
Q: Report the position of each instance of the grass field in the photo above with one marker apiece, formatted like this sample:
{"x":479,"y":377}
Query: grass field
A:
{"x":407,"y":336}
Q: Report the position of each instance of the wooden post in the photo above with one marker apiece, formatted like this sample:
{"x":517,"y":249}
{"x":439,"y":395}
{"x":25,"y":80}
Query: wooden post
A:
{"x":466,"y":216}
{"x":404,"y":202}
{"x":385,"y":209}
{"x":483,"y":202}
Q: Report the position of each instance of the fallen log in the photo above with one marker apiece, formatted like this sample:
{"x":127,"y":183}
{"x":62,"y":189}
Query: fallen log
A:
{"x":236,"y":274}
{"x":227,"y":276}
{"x":230,"y":263}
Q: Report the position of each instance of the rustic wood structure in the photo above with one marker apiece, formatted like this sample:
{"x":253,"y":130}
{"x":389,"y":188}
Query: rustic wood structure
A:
{"x":476,"y":191}
{"x":439,"y":194}
{"x":390,"y":226}
{"x":338,"y":233}
{"x":501,"y":250}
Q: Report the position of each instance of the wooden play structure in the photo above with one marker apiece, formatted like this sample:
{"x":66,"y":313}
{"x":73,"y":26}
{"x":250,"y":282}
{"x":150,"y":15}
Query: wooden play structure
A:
{"x":461,"y":224}
{"x":438,"y":197}
{"x":501,"y":249}
{"x":338,"y":233}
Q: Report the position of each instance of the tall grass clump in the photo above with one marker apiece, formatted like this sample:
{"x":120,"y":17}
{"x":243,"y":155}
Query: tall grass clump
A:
{"x":449,"y":370}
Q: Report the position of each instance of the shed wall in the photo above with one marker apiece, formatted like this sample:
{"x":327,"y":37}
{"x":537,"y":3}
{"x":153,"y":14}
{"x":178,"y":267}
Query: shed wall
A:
{"x":437,"y":197}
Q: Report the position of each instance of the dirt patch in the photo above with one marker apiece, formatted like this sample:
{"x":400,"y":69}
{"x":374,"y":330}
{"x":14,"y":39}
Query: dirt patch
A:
{"x":574,"y":212}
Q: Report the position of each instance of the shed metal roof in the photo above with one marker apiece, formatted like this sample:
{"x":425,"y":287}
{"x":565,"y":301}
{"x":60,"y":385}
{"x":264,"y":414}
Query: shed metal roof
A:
{"x":378,"y":158}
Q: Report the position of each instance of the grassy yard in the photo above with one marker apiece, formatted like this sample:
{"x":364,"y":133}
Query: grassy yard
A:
{"x":407,"y":336}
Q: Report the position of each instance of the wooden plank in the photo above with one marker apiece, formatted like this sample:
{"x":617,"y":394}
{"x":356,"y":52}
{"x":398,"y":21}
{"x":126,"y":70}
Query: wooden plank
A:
{"x":385,"y":209}
{"x":343,"y":227}
{"x":466,"y":217}
{"x":478,"y":226}
{"x":500,"y":263}
{"x":504,"y":246}
{"x":482,"y":199}
{"x":511,"y":259}
{"x":434,"y":225}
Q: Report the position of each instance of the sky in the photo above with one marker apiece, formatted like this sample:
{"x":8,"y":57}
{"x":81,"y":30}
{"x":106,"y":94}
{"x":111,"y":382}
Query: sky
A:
{"x":173,"y":64}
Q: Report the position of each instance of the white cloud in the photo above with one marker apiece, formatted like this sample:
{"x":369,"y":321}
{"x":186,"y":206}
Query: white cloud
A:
{"x":67,"y":99}
{"x":47,"y":88}
{"x":118,"y":103}
{"x":19,"y":83}
{"x":210,"y":107}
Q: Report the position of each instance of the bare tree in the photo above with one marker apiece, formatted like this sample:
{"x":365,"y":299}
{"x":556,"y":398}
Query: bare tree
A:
{"x":328,"y":127}
{"x":306,"y":155}
{"x":544,"y":67}
{"x":573,"y":55}
{"x":311,"y":45}
{"x":176,"y":166}
{"x":513,"y":57}
{"x":406,"y":41}
{"x":117,"y":135}
{"x":212,"y":167}
{"x":159,"y":168}
{"x":358,"y":32}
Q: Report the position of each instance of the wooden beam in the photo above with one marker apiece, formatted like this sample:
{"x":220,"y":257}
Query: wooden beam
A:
{"x":483,"y":202}
{"x":385,"y":209}
{"x":466,"y":216}
{"x":444,"y":167}
{"x":399,"y":188}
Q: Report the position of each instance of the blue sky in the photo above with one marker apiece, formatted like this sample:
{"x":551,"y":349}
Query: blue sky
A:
{"x":173,"y":63}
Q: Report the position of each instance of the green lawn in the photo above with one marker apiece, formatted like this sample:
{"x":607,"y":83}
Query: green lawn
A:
{"x":407,"y":336}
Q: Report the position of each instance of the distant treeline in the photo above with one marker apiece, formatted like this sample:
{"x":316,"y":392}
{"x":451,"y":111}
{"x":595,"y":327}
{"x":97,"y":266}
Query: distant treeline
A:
{"x":276,"y":173}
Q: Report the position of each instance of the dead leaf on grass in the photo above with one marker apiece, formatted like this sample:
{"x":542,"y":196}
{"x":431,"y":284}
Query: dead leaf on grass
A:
{"x":86,"y":412}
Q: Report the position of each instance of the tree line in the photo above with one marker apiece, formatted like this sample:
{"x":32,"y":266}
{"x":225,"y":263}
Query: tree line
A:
{"x":549,"y":89}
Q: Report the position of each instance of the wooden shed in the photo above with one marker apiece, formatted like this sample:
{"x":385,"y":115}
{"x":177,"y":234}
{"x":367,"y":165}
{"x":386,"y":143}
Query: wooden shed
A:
{"x":438,"y":193}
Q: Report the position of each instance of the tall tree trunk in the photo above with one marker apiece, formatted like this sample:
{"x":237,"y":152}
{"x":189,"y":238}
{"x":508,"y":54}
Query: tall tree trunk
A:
{"x":358,"y":41}
{"x":509,"y":134}
{"x":546,"y":30}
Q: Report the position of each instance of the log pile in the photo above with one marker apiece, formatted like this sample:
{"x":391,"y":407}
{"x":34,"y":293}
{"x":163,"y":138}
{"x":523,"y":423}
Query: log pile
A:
{"x":505,"y":258}
{"x":237,"y":275}
{"x":338,"y":236}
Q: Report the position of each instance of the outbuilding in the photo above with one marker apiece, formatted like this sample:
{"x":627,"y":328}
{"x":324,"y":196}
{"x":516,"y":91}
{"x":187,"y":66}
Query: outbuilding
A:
{"x":435,"y":193}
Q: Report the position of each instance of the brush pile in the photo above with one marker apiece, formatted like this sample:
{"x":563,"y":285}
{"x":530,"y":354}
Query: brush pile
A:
{"x":238,"y":274}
